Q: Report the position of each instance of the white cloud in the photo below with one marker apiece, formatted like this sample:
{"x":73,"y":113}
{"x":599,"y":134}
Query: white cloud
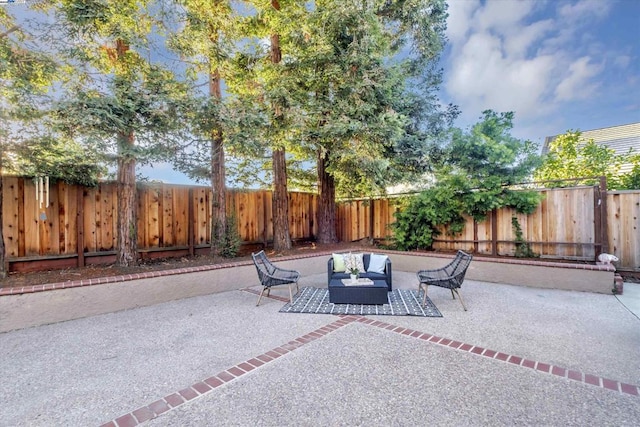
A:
{"x":487,"y":78}
{"x":622,"y":61}
{"x":520,"y":41}
{"x":459,"y":17}
{"x":501,"y":16}
{"x":577,"y":84}
{"x":585,"y":9}
{"x":515,"y":56}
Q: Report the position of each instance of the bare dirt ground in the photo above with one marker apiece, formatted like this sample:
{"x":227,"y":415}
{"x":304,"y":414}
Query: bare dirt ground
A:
{"x":95,"y":271}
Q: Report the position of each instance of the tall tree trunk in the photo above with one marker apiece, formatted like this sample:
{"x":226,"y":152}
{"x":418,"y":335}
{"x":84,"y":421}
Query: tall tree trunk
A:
{"x":127,"y":224}
{"x":326,"y":201}
{"x":281,"y":235}
{"x":3,"y":255}
{"x":218,"y":185}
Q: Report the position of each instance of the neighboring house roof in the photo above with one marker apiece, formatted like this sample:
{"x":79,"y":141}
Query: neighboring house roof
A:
{"x":620,"y":138}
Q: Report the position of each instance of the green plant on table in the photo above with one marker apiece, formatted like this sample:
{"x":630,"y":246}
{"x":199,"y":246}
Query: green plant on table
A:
{"x":351,"y":264}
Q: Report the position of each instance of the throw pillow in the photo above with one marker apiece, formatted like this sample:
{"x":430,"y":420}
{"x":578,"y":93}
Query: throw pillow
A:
{"x":338,"y":263}
{"x":377,"y":263}
{"x":354,"y":261}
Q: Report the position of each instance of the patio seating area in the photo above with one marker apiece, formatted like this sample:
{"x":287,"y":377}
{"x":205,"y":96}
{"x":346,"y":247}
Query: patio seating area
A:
{"x":519,"y":355}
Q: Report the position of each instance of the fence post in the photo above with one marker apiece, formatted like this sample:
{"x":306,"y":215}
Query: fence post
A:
{"x":80,"y":225}
{"x":604,"y":226}
{"x":190,"y":224}
{"x":371,"y":220}
{"x":476,"y":246}
{"x":265,"y":219}
{"x":494,"y":232}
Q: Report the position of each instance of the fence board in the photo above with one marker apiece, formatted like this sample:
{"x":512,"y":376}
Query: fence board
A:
{"x":168,"y":209}
{"x":151,"y":217}
{"x":31,"y":223}
{"x":89,"y":219}
{"x":623,"y":212}
{"x":71,"y":219}
{"x":181,"y":216}
{"x":201,"y":219}
{"x":10,"y":213}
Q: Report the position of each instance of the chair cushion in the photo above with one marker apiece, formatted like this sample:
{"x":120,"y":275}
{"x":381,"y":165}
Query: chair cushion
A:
{"x":377,"y":263}
{"x":338,"y":263}
{"x":374,"y":276}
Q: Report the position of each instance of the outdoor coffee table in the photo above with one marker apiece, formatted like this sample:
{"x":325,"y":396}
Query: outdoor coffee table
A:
{"x":373,"y":293}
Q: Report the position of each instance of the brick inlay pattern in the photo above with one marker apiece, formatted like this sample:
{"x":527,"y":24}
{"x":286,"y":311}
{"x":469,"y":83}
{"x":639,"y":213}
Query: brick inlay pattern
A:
{"x":145,"y":413}
{"x":512,"y":359}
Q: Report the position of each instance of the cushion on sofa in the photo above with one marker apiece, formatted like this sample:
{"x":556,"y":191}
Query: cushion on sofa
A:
{"x":377,"y":263}
{"x":354,"y":261}
{"x":374,"y":276}
{"x":338,"y":263}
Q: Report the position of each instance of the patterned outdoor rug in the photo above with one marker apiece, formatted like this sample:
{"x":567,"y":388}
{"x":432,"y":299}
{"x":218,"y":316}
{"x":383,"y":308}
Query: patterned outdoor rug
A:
{"x":402,"y":302}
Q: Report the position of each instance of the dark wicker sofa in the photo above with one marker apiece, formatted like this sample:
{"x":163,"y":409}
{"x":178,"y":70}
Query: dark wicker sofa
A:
{"x":331,"y":275}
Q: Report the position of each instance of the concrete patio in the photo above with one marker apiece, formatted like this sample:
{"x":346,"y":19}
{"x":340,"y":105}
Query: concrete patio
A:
{"x":520,"y":355}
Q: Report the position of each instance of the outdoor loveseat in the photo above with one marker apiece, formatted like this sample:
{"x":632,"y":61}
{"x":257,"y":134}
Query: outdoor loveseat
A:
{"x":379,"y":270}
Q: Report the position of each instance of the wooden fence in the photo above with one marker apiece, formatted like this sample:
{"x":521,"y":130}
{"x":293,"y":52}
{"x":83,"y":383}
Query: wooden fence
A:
{"x":571,"y":223}
{"x":79,"y":224}
{"x":623,"y":216}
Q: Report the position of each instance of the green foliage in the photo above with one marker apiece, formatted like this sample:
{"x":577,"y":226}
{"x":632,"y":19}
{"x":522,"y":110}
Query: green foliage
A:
{"x":229,"y":242}
{"x":523,"y":249}
{"x":570,"y":157}
{"x":418,"y":220}
{"x":631,"y":180}
{"x":25,"y":74}
{"x":479,"y":168}
{"x":60,"y":160}
{"x":483,"y":163}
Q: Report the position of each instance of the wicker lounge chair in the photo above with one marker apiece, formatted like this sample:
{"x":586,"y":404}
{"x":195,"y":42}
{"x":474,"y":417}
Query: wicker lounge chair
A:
{"x":450,"y":276}
{"x":270,"y":275}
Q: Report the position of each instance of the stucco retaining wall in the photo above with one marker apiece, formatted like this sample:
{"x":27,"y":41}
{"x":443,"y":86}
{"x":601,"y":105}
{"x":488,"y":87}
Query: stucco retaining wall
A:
{"x":38,"y":305}
{"x":532,"y":273}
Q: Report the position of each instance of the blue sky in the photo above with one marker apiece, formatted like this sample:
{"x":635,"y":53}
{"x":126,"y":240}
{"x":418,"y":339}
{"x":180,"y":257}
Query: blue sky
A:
{"x":558,"y":65}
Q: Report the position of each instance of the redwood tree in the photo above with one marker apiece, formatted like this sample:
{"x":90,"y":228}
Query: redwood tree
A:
{"x":118,"y":100}
{"x":207,"y":28}
{"x":281,"y":236}
{"x":368,"y":95}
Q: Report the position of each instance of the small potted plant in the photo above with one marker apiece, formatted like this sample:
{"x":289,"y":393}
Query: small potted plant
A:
{"x":352,"y":267}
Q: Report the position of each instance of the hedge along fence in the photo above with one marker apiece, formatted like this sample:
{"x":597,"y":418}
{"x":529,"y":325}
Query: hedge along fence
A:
{"x":78,"y":226}
{"x":570,"y":223}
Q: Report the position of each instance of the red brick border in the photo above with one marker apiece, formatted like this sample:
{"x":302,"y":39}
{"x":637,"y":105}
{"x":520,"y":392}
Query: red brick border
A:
{"x":145,"y":413}
{"x":153,"y":410}
{"x":606,"y":383}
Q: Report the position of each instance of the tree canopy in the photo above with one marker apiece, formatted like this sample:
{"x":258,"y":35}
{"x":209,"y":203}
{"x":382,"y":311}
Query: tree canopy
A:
{"x":570,"y":156}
